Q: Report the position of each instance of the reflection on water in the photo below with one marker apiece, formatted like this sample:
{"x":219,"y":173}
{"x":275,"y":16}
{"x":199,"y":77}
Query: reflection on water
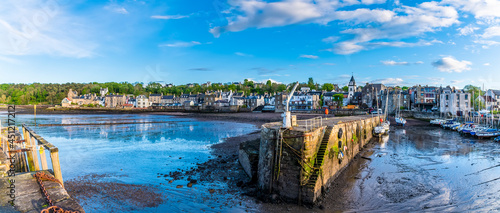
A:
{"x":423,"y":169}
{"x":137,"y":153}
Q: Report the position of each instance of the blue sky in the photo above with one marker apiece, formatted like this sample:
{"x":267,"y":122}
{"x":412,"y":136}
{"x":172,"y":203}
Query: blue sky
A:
{"x":449,"y":42}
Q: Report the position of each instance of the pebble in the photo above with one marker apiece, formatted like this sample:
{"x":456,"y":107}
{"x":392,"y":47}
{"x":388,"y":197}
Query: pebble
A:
{"x":179,"y":186}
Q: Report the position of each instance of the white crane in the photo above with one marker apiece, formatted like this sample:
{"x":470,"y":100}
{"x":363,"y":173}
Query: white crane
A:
{"x":287,"y":119}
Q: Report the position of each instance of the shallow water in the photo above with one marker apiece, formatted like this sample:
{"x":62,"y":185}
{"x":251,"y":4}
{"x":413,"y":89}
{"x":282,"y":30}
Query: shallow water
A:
{"x":422,"y":168}
{"x":138,"y":153}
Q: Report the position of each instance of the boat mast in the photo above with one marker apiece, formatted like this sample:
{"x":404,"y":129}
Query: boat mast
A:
{"x":386,"y":104}
{"x":376,"y":98}
{"x":399,"y":105}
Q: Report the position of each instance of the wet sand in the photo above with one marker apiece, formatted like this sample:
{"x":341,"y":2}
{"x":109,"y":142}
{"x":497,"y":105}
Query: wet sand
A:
{"x":416,"y":168}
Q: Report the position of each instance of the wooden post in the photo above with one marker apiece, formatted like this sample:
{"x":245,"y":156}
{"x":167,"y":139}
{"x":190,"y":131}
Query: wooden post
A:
{"x":33,"y":145}
{"x":27,"y":141}
{"x":43,"y":158}
{"x":54,"y":156}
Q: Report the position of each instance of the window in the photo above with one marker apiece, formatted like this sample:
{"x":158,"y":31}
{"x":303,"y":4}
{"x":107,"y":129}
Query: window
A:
{"x":446,"y":97}
{"x":466,"y":96}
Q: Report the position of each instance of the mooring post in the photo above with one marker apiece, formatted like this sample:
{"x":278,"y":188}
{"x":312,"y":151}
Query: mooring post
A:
{"x":33,"y":145}
{"x":43,"y":158}
{"x":54,"y":155}
{"x":29,"y":154}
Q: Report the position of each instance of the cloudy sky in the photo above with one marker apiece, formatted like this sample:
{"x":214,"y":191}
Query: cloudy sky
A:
{"x":396,"y":42}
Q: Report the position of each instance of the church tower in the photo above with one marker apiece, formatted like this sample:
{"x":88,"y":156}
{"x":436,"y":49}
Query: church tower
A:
{"x":352,"y":87}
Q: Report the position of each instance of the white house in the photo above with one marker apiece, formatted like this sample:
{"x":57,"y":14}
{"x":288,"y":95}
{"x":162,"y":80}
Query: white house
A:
{"x":454,"y":101}
{"x":304,"y":101}
{"x":493,"y":99}
{"x":142,"y":101}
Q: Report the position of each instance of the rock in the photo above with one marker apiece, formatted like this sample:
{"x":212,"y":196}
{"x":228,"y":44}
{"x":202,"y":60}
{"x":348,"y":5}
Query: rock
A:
{"x":211,"y":191}
{"x":179,"y":186}
{"x":189,"y":185}
{"x":239,"y":184}
{"x":274,"y":198}
{"x":193,"y":181}
{"x":170,"y":181}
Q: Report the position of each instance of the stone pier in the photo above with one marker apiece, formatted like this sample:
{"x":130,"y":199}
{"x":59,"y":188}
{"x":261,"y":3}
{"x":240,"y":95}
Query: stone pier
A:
{"x":299,"y":163}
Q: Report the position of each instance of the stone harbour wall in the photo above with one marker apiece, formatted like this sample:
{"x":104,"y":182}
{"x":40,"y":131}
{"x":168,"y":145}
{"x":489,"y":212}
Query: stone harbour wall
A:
{"x":287,"y":156}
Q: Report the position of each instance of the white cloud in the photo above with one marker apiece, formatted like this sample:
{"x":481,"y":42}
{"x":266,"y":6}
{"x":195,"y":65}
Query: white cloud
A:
{"x":486,"y":64}
{"x":491,"y":32}
{"x":481,"y":9}
{"x":166,"y":17}
{"x":435,"y":80}
{"x":392,"y":25}
{"x":272,"y":81}
{"x":8,"y":59}
{"x":486,"y":43}
{"x":331,"y":39}
{"x":116,"y":8}
{"x":450,"y":64}
{"x":456,"y":81}
{"x":349,"y":47}
{"x":243,"y":54}
{"x":419,"y":62}
{"x":467,"y":30}
{"x":39,"y":27}
{"x":309,"y":56}
{"x":389,"y":81}
{"x":181,"y":44}
{"x":392,"y":63}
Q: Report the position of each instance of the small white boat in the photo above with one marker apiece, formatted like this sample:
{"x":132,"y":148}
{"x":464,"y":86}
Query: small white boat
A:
{"x":437,"y":122}
{"x":400,"y":121}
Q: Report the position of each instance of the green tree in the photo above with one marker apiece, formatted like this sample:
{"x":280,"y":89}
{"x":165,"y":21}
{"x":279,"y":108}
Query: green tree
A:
{"x":339,"y":99}
{"x":310,"y":83}
{"x":328,"y":87}
{"x":475,"y":92}
{"x":345,"y":88}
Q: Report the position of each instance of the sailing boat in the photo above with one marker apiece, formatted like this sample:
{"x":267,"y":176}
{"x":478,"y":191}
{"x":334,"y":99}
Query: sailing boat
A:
{"x":399,"y":120}
{"x":384,"y":127}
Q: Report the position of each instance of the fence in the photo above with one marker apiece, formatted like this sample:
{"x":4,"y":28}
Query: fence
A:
{"x":36,"y":143}
{"x":30,"y":152}
{"x":13,"y":147}
{"x":311,"y":124}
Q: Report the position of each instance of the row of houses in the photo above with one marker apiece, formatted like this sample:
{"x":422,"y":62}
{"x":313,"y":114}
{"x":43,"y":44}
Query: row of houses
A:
{"x":416,"y":98}
{"x":212,"y":99}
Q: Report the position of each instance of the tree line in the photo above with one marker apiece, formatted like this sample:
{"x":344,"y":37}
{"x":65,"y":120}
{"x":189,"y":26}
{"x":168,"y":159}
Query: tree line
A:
{"x":41,"y":93}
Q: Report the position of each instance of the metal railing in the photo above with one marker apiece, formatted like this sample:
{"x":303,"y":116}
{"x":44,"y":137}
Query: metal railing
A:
{"x":311,"y":124}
